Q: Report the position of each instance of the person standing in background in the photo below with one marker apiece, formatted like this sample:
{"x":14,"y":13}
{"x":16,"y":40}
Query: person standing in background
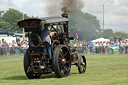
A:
{"x":126,"y":46}
{"x":123,"y":45}
{"x":96,"y":47}
{"x":90,"y":45}
{"x":85,"y":48}
{"x":18,"y":47}
{"x":4,"y":46}
{"x":80,"y":47}
{"x":117,"y":43}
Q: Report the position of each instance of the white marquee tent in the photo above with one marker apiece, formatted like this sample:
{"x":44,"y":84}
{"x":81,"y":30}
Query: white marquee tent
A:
{"x":100,"y":39}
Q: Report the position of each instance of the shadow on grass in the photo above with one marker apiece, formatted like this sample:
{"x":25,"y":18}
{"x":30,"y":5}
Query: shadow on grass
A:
{"x":16,"y":78}
{"x":74,"y":73}
{"x":24,"y":77}
{"x":43,"y":76}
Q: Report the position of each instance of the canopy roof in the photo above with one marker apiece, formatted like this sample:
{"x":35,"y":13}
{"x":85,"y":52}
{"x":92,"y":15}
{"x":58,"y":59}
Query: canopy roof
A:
{"x":36,"y":22}
{"x":54,"y":19}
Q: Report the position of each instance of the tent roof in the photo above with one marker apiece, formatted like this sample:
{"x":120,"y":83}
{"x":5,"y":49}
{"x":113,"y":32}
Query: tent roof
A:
{"x":100,"y":39}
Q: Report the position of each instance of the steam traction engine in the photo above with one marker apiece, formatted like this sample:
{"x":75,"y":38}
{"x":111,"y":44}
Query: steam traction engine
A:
{"x":36,"y":62}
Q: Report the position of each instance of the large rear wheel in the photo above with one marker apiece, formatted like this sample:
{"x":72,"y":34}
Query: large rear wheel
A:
{"x":61,"y":61}
{"x":27,"y":69}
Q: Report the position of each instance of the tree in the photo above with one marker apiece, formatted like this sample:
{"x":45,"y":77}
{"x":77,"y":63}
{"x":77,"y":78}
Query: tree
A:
{"x":121,"y":34}
{"x":5,"y":27}
{"x":107,"y":33}
{"x":11,"y":17}
{"x":1,"y":13}
{"x":86,"y":25}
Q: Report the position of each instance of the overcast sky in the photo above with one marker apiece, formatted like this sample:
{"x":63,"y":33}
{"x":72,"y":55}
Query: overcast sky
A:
{"x":115,"y":11}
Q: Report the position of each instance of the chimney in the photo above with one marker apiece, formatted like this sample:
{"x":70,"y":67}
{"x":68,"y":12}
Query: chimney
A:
{"x":65,"y":15}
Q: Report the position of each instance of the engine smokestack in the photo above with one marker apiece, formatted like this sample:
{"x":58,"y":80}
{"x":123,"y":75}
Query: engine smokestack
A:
{"x":65,"y":15}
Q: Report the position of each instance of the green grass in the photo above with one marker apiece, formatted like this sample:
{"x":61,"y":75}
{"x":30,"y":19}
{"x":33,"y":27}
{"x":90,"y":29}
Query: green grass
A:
{"x":101,"y":70}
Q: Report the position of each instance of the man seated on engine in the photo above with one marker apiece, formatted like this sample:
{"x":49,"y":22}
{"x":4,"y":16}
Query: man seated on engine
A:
{"x":47,"y":41}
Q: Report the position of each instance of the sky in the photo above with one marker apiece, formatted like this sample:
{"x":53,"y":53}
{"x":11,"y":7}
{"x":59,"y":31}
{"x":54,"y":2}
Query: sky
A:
{"x":115,"y":11}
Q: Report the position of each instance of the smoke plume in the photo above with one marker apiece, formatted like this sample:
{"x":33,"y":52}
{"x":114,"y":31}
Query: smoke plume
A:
{"x":57,"y":7}
{"x":71,"y":5}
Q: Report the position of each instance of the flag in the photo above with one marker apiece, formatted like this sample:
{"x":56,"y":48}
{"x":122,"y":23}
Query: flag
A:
{"x":76,"y":35}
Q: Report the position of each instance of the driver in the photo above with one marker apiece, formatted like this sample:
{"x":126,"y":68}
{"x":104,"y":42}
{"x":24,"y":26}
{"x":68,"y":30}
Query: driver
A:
{"x":47,"y":41}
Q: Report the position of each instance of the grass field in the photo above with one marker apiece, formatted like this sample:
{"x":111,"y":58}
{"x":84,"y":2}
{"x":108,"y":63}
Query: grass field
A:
{"x":101,"y":70}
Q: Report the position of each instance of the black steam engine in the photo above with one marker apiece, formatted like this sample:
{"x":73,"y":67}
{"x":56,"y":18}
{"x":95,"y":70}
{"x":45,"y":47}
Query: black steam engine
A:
{"x":36,"y":62}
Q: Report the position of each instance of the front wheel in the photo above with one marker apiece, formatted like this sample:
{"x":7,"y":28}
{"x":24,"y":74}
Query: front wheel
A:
{"x":81,"y":64}
{"x":61,"y":61}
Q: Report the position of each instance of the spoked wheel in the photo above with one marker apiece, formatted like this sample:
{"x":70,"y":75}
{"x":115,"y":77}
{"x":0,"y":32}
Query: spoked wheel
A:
{"x":61,"y":61}
{"x":82,"y":64}
{"x":27,"y":68}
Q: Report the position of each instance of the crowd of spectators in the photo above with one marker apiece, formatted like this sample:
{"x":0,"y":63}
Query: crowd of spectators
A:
{"x":14,"y":48}
{"x":101,"y":47}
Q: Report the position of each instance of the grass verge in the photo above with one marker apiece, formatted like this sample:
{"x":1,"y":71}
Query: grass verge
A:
{"x":101,"y":70}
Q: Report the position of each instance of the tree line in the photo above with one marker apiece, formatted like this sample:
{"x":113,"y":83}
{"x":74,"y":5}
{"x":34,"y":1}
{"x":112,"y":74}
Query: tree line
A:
{"x":9,"y":19}
{"x":86,"y":25}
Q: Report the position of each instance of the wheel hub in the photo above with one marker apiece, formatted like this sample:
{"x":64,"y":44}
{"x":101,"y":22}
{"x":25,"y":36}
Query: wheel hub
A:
{"x":83,"y":64}
{"x":63,"y":61}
